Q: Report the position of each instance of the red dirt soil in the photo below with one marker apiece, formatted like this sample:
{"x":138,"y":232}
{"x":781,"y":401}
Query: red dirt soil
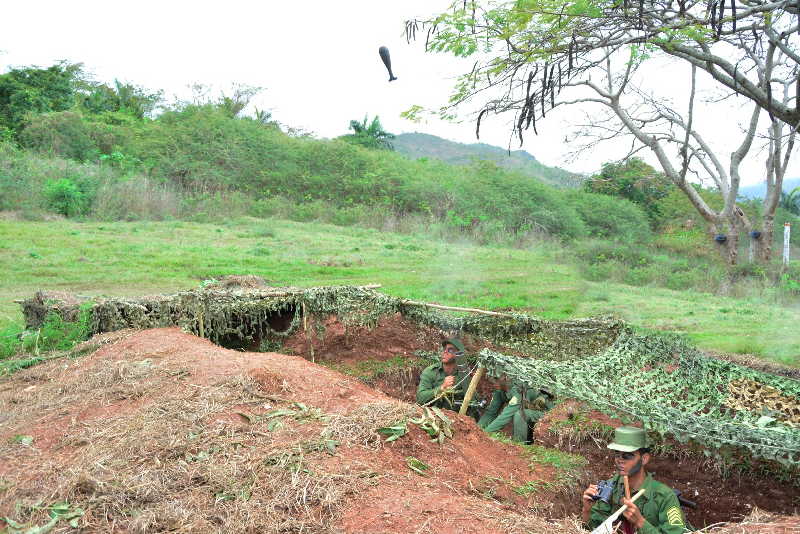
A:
{"x":453,"y":498}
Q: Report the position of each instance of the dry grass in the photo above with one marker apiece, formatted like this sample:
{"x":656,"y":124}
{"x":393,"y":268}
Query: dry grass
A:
{"x":758,"y":522}
{"x":360,"y":425}
{"x":175,"y":464}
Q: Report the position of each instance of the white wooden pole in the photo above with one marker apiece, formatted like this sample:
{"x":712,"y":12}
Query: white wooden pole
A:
{"x":787,"y":230}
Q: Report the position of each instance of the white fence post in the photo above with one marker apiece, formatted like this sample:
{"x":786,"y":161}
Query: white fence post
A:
{"x":787,"y":230}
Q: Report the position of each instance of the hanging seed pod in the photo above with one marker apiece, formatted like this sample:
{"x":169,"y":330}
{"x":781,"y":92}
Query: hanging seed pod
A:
{"x":720,"y":17}
{"x":733,"y":14}
{"x":478,"y":126}
{"x":519,"y":125}
{"x":559,"y":77}
{"x":569,"y":58}
{"x":528,"y":86}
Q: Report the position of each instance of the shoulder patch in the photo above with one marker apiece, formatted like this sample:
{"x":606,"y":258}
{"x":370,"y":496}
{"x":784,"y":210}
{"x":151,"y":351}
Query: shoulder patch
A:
{"x":513,"y":401}
{"x":674,"y":516}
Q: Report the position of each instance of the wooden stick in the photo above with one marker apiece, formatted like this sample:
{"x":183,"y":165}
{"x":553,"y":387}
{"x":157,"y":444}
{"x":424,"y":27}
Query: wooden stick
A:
{"x":455,"y":308}
{"x":627,"y":487}
{"x":473,"y":385}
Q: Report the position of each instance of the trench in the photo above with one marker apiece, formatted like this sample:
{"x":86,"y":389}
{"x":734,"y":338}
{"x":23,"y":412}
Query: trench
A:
{"x":260,"y":335}
{"x":386,"y":358}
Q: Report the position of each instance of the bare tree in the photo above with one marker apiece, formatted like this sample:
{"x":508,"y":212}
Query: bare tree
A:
{"x":534,"y":55}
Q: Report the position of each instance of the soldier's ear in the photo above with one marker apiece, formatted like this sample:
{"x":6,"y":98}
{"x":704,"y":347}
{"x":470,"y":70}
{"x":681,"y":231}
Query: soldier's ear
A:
{"x":645,"y":458}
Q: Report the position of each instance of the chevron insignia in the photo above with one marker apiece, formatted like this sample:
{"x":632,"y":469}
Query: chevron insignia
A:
{"x":513,"y":401}
{"x":674,"y":516}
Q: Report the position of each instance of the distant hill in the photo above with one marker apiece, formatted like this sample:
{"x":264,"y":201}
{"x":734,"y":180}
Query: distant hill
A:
{"x":758,"y":191}
{"x":420,"y":145}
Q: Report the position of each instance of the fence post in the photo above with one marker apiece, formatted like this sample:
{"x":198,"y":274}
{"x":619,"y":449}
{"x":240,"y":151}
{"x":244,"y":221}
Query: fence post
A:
{"x":787,"y":230}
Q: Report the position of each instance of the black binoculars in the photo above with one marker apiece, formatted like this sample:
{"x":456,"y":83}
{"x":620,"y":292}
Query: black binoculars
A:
{"x":604,"y":489}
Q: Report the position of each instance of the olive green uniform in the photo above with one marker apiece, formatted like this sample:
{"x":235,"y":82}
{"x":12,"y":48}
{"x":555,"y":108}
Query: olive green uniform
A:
{"x":430,"y":382}
{"x":505,"y":407}
{"x":659,"y":506}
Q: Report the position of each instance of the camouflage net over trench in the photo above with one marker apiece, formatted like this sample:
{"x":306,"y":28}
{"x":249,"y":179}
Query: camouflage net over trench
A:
{"x":660,"y":380}
{"x":251,"y":314}
{"x":675,"y":391}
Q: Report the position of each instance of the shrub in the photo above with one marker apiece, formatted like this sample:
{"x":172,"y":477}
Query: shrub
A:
{"x":64,"y":197}
{"x":641,"y":276}
{"x":308,"y":211}
{"x":610,"y":217}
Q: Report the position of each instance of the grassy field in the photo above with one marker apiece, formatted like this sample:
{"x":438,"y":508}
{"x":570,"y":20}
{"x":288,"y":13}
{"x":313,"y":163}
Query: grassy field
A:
{"x":136,"y":258}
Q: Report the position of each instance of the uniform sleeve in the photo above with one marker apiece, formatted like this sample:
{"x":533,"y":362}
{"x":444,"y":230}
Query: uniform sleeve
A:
{"x":670,"y":518}
{"x":428,"y":387}
{"x":600,"y":512}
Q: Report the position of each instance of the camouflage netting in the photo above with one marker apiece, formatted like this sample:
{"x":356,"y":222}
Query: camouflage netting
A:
{"x":676,"y":391}
{"x":233,"y":315}
{"x":660,"y":380}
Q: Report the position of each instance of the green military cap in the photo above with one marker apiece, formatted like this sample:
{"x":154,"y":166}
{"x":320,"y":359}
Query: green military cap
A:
{"x":455,"y":342}
{"x":628,"y":439}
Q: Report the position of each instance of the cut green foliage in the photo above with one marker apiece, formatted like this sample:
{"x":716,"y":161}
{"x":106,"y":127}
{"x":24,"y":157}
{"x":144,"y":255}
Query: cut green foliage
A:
{"x":435,"y":423}
{"x":298,"y":412}
{"x":393,"y":432}
{"x":418,"y":466}
{"x":22,"y":439}
{"x":61,"y":511}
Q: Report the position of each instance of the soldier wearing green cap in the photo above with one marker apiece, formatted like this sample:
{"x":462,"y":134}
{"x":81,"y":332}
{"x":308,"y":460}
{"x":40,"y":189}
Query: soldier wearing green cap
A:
{"x":442,"y":384}
{"x":657,"y":511}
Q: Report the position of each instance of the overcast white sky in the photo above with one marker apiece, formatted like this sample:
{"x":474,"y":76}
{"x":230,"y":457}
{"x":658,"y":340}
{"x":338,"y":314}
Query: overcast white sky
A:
{"x":318,"y":61}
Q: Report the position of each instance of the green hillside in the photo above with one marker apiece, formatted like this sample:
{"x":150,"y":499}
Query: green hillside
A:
{"x":422,"y":145}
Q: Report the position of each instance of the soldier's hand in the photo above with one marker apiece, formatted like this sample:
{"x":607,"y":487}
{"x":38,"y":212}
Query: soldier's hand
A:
{"x":449,"y":381}
{"x":590,"y":492}
{"x":632,"y":514}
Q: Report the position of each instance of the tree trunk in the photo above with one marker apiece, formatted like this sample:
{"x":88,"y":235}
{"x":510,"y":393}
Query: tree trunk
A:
{"x":766,"y":240}
{"x":732,"y":246}
{"x":728,"y":249}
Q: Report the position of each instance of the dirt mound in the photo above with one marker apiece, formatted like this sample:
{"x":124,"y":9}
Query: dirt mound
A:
{"x":239,"y":281}
{"x":760,"y":522}
{"x":163,"y":431}
{"x":574,"y":427}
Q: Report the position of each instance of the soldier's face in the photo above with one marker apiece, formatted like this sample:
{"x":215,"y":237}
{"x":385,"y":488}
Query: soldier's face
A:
{"x":449,"y":355}
{"x":628,"y":463}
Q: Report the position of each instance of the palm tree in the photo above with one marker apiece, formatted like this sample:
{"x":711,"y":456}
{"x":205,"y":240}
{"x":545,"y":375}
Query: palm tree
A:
{"x":370,"y":135}
{"x":791,"y":201}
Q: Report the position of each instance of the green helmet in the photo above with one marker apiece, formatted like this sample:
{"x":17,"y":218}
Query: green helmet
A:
{"x":629,"y":439}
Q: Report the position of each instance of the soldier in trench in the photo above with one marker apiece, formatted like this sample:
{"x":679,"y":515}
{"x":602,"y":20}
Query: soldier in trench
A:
{"x":513,"y":401}
{"x":443,"y":384}
{"x":657,"y":511}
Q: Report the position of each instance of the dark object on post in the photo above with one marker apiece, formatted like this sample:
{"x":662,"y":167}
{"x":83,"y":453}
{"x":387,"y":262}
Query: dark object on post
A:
{"x":604,"y":489}
{"x":755,"y":234}
{"x":720,"y":238}
{"x":384,"y":53}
